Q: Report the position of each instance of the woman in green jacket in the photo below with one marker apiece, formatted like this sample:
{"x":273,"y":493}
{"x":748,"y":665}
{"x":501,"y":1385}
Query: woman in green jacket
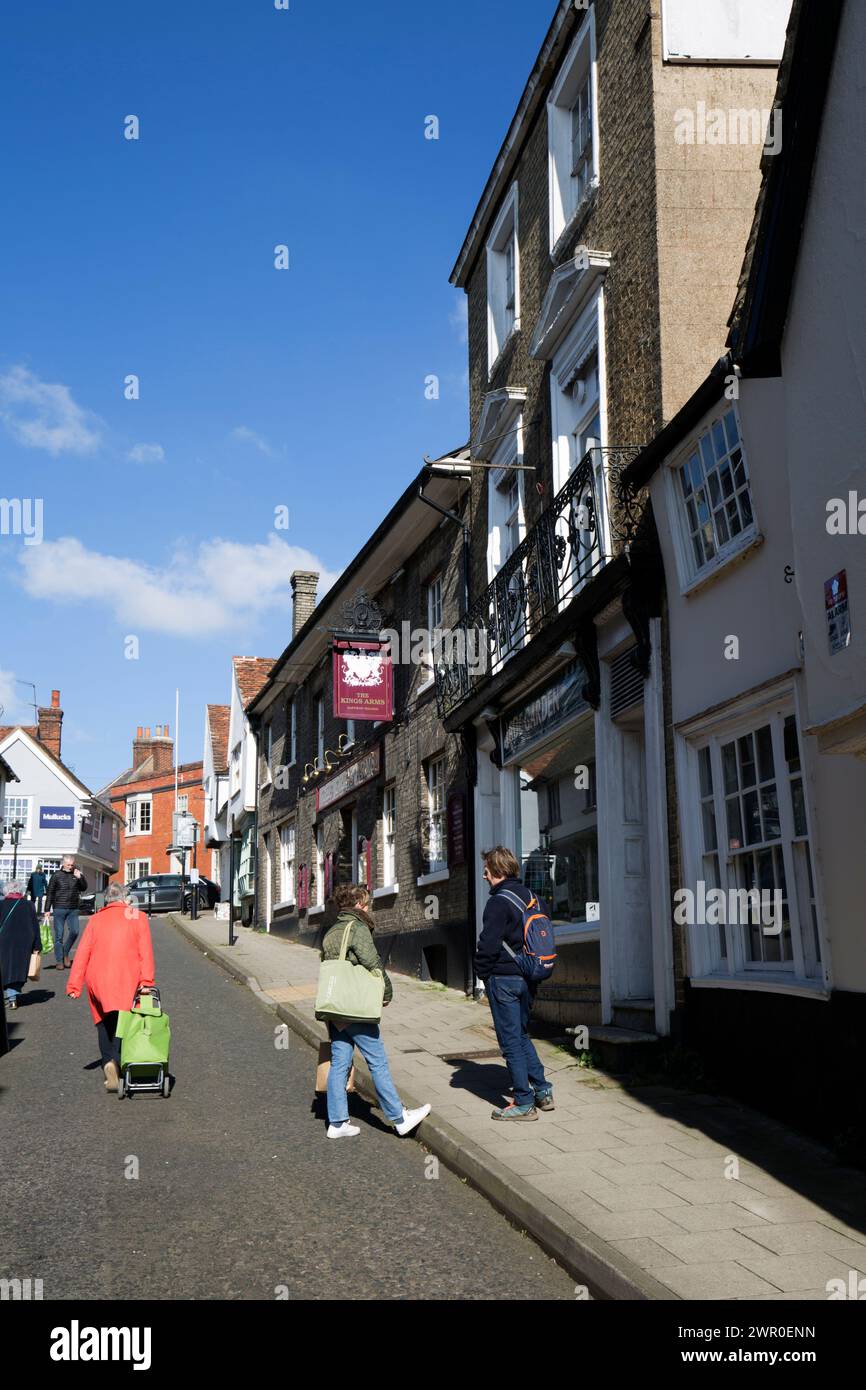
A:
{"x":352,"y":901}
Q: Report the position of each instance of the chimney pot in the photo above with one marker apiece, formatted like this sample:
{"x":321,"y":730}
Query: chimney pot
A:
{"x":55,"y":699}
{"x":147,"y":733}
{"x":165,"y":730}
{"x":139,"y":731}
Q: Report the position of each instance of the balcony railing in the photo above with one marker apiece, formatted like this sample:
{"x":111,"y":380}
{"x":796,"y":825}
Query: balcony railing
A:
{"x":590,"y":520}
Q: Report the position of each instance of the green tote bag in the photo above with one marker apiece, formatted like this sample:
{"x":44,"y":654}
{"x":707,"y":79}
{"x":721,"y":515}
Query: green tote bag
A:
{"x":349,"y":991}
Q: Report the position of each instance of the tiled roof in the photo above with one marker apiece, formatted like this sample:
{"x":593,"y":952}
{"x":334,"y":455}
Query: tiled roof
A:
{"x":251,"y":672}
{"x":218,"y":723}
{"x":30,"y":729}
{"x":144,"y":772}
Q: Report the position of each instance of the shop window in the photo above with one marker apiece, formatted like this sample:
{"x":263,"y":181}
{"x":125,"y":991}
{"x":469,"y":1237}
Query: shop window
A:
{"x":558,"y":846}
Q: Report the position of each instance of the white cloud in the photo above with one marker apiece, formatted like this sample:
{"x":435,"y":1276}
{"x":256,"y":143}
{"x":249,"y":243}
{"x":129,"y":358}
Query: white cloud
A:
{"x":222,"y":585}
{"x":146,"y":453}
{"x":258,"y":441}
{"x":43,"y":415}
{"x":459,"y":316}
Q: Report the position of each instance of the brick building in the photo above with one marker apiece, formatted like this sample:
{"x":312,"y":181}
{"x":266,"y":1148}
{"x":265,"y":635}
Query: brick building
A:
{"x":144,"y":794}
{"x":599,"y":267}
{"x":384,"y":803}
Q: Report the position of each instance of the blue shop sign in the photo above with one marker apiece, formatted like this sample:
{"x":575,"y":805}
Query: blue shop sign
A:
{"x":56,"y":817}
{"x":555,"y":705}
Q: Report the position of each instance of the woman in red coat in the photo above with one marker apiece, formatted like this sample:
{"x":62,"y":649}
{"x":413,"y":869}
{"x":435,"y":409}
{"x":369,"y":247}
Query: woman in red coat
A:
{"x":114,"y":957}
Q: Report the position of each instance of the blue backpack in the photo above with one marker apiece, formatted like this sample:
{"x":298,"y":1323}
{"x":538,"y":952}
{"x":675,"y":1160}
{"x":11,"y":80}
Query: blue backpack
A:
{"x":538,"y":957}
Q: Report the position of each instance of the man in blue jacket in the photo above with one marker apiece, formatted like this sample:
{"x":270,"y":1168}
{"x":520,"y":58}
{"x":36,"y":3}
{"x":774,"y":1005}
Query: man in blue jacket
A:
{"x":509,"y":992}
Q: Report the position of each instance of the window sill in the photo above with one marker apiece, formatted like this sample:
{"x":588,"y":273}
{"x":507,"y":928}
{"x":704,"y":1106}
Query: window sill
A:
{"x":429,"y":684}
{"x":316,"y":911}
{"x":287,"y":906}
{"x":720,"y":564}
{"x":438,"y":876}
{"x":389,"y":890}
{"x":768,"y":984}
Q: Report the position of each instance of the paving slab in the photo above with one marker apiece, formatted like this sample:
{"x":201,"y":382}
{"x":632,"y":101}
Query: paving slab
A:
{"x":624,"y":1185}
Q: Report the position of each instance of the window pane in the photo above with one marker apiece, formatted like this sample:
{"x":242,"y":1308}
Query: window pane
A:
{"x":707,"y":453}
{"x":722,"y":531}
{"x":706,"y":772}
{"x":735,"y":832}
{"x":709,"y":815}
{"x":685,"y":482}
{"x":719,"y":444}
{"x":764,"y":739}
{"x":727,"y":480}
{"x":792,"y":746}
{"x":770,"y":813}
{"x":747,"y":761}
{"x":798,"y":801}
{"x":729,"y":767}
{"x":746,"y":508}
{"x":752,"y":818}
{"x":730,"y":424}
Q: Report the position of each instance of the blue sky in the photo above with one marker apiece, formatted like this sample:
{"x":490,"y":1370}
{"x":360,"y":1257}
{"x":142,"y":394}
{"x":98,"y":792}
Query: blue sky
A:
{"x":259,"y":388}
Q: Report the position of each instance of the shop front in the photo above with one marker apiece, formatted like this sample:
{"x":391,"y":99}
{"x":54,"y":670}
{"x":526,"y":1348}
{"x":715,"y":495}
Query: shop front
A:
{"x":537,"y":794}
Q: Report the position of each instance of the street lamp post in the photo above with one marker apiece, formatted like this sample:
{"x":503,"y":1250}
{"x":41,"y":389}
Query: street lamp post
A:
{"x":15,"y":834}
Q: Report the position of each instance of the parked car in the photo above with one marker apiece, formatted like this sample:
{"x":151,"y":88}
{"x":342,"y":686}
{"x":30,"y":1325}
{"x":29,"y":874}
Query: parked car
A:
{"x":214,"y":892}
{"x":165,"y":893}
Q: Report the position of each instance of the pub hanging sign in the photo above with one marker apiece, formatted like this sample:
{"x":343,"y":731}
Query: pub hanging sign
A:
{"x":363,"y":681}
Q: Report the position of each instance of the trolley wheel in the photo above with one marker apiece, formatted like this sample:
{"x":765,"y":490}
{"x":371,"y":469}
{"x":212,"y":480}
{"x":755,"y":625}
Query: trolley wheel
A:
{"x":166,"y":1085}
{"x":121,"y":1088}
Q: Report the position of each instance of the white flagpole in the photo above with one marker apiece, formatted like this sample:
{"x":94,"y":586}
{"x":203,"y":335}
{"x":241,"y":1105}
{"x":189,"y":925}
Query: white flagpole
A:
{"x":176,"y":739}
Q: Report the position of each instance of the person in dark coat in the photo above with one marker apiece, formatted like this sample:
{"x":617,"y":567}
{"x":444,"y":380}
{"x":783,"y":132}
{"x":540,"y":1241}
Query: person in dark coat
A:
{"x":19,"y":938}
{"x":37,"y":886}
{"x":65,"y":887}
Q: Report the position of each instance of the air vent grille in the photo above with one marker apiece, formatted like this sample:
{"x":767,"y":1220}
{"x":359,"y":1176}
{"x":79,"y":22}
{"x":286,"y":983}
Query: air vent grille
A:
{"x":626,"y":683}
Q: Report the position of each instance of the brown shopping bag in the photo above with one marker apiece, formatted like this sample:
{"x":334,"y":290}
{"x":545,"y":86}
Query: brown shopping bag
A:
{"x":324,"y":1066}
{"x":35,"y":969}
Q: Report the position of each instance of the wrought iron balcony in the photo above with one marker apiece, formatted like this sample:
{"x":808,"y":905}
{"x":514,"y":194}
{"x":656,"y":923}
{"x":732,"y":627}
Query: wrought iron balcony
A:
{"x":590,"y":520}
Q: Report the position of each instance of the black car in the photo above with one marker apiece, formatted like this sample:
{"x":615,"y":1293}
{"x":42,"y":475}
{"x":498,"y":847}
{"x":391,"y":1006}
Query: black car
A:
{"x":165,"y":893}
{"x":214,"y":892}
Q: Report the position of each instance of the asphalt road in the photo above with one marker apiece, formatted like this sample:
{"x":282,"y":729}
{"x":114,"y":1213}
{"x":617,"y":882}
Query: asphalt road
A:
{"x":238,"y":1193}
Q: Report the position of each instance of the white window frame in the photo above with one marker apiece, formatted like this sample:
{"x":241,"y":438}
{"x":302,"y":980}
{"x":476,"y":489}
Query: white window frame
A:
{"x":320,"y":866}
{"x":437,"y":785}
{"x":114,"y":835}
{"x":293,"y":732}
{"x":141,"y":869}
{"x":566,"y":201}
{"x":707,"y":967}
{"x":503,"y":309}
{"x":389,"y":835}
{"x":98,"y":820}
{"x":288,"y":862}
{"x":689,"y":573}
{"x":235,"y":770}
{"x":133,"y":814}
{"x":9,"y":815}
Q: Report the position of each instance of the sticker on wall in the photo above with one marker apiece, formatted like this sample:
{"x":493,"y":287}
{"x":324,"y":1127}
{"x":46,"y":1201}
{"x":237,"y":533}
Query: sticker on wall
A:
{"x":838,"y":617}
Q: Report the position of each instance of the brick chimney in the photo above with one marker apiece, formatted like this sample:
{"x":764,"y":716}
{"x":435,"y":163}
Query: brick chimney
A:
{"x":50,"y":719}
{"x":304,"y":586}
{"x":159,"y":747}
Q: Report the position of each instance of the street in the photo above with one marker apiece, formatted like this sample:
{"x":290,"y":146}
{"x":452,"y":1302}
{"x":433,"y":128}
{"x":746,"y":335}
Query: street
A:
{"x":238,"y":1193}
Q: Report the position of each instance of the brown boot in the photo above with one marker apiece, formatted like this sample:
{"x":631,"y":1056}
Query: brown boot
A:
{"x":112,"y":1076}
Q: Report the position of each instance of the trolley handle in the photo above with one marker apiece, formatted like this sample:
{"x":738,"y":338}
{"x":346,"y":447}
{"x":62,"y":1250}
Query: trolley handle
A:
{"x":152,"y":990}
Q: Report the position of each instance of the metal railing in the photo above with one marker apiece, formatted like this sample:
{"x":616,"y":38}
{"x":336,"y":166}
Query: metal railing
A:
{"x":592,"y":518}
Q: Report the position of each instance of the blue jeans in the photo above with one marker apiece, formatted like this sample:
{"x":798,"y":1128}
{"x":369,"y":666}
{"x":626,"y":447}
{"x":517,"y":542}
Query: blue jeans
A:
{"x":511,"y":1005}
{"x":11,"y":992}
{"x":366,"y":1037}
{"x":65,"y":923}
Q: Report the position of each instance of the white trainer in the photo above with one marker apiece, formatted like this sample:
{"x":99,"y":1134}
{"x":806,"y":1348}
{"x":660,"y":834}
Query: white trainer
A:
{"x":343,"y":1131}
{"x":412,"y":1118}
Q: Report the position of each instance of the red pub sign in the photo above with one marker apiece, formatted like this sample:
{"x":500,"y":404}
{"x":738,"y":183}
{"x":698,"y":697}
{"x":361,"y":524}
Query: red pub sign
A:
{"x":363,"y":681}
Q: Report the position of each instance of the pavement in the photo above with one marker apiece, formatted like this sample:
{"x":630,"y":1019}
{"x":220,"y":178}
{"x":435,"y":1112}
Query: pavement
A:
{"x":640,"y":1192}
{"x":229,"y":1188}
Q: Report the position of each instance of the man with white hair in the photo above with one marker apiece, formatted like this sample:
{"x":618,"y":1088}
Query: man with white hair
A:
{"x":63,"y":899}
